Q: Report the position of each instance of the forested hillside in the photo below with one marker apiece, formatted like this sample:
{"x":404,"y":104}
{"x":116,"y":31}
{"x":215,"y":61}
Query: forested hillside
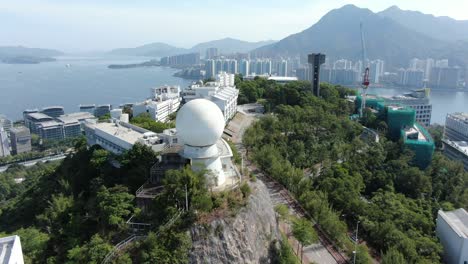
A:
{"x":310,"y":146}
{"x":76,"y":211}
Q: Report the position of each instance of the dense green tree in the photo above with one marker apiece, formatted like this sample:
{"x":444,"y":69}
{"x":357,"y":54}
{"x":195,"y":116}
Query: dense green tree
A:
{"x":136,"y":165}
{"x":286,"y":253}
{"x":33,"y":244}
{"x":362,"y":255}
{"x":375,"y":182}
{"x":168,"y":247}
{"x":92,"y":252}
{"x":114,"y":205}
{"x":304,"y":232}
{"x":392,"y":256}
{"x":56,"y":212}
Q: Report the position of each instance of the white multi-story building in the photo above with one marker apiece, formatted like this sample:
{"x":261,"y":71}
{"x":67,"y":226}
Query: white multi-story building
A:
{"x":210,"y":68}
{"x":444,"y":63}
{"x":456,"y":127}
{"x":225,"y":79}
{"x":222,"y":92}
{"x":376,"y":70}
{"x":244,"y":66}
{"x":164,"y":101}
{"x":452,"y":230}
{"x":118,"y":136}
{"x":20,"y":139}
{"x":419,"y":101}
{"x":4,"y":143}
{"x":10,"y":250}
{"x":457,"y":151}
{"x":5,"y":123}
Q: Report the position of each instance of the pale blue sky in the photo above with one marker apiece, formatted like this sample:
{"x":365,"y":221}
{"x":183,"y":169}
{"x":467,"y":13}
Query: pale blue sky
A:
{"x":84,"y":25}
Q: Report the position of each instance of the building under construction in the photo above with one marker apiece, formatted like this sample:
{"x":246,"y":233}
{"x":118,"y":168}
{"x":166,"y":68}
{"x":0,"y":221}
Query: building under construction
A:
{"x":401,"y":122}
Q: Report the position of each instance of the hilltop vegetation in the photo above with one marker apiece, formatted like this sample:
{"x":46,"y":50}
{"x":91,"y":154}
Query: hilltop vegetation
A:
{"x":76,"y":211}
{"x":311,"y":147}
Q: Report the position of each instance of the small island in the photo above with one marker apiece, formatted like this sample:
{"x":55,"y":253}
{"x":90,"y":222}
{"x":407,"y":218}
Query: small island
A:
{"x":24,"y":55}
{"x":26,"y":60}
{"x":151,"y":63}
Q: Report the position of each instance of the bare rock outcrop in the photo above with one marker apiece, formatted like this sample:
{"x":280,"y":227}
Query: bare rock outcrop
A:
{"x":244,"y":238}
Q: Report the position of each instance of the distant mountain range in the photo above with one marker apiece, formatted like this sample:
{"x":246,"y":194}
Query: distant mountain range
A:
{"x":157,"y":49}
{"x":393,"y":35}
{"x":230,"y":45}
{"x":225,"y":46}
{"x":388,"y":36}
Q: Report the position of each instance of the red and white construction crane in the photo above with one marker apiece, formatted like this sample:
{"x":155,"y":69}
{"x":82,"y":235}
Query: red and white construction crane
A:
{"x":365,"y":76}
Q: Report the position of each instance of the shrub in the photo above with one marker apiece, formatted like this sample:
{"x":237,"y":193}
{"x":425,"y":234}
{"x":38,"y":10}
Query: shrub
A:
{"x":245,"y":189}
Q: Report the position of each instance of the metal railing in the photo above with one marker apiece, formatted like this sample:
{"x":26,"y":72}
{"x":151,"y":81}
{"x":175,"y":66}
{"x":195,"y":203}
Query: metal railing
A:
{"x":138,"y":227}
{"x":121,"y":245}
{"x":133,"y":238}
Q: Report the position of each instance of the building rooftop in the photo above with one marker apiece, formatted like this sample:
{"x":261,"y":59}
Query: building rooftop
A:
{"x":170,"y":132}
{"x":282,"y":78}
{"x":87,"y":105}
{"x":6,"y":246}
{"x":29,"y":111}
{"x":461,"y":146}
{"x":75,"y":117}
{"x":49,"y":123}
{"x":52,"y":107}
{"x":39,"y":116}
{"x":225,"y":93}
{"x":413,"y":133}
{"x":458,"y":221}
{"x":103,"y":105}
{"x":396,"y":107}
{"x":126,"y":132}
{"x":19,"y":129}
{"x":463,"y":117}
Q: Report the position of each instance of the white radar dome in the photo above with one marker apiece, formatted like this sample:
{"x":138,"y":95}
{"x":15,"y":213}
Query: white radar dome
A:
{"x":200,"y":123}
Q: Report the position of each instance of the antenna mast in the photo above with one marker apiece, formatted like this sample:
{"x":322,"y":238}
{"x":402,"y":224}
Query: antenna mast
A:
{"x":365,"y":77}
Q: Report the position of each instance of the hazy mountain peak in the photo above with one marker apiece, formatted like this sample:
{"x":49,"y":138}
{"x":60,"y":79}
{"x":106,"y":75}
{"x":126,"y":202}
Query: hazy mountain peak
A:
{"x":338,"y":35}
{"x":229,"y":45}
{"x":392,"y":8}
{"x":442,"y":28}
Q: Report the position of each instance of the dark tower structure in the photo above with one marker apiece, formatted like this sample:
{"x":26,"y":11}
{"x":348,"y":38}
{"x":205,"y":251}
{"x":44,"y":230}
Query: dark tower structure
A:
{"x":315,"y":60}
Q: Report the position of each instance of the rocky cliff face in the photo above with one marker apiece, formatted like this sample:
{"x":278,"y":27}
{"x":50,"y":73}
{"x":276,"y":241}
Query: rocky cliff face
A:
{"x":245,"y":238}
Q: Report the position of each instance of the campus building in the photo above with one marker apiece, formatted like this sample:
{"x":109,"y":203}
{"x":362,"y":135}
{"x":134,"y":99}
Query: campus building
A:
{"x":164,"y":101}
{"x":20,"y":138}
{"x":4,"y":143}
{"x":61,"y":127}
{"x":53,"y":111}
{"x":10,"y":250}
{"x":457,"y":151}
{"x":456,"y":127}
{"x":456,"y":138}
{"x":222,"y":92}
{"x":402,"y":124}
{"x":417,"y":100}
{"x":102,"y":110}
{"x":118,"y":137}
{"x":5,"y":123}
{"x":452,"y":230}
